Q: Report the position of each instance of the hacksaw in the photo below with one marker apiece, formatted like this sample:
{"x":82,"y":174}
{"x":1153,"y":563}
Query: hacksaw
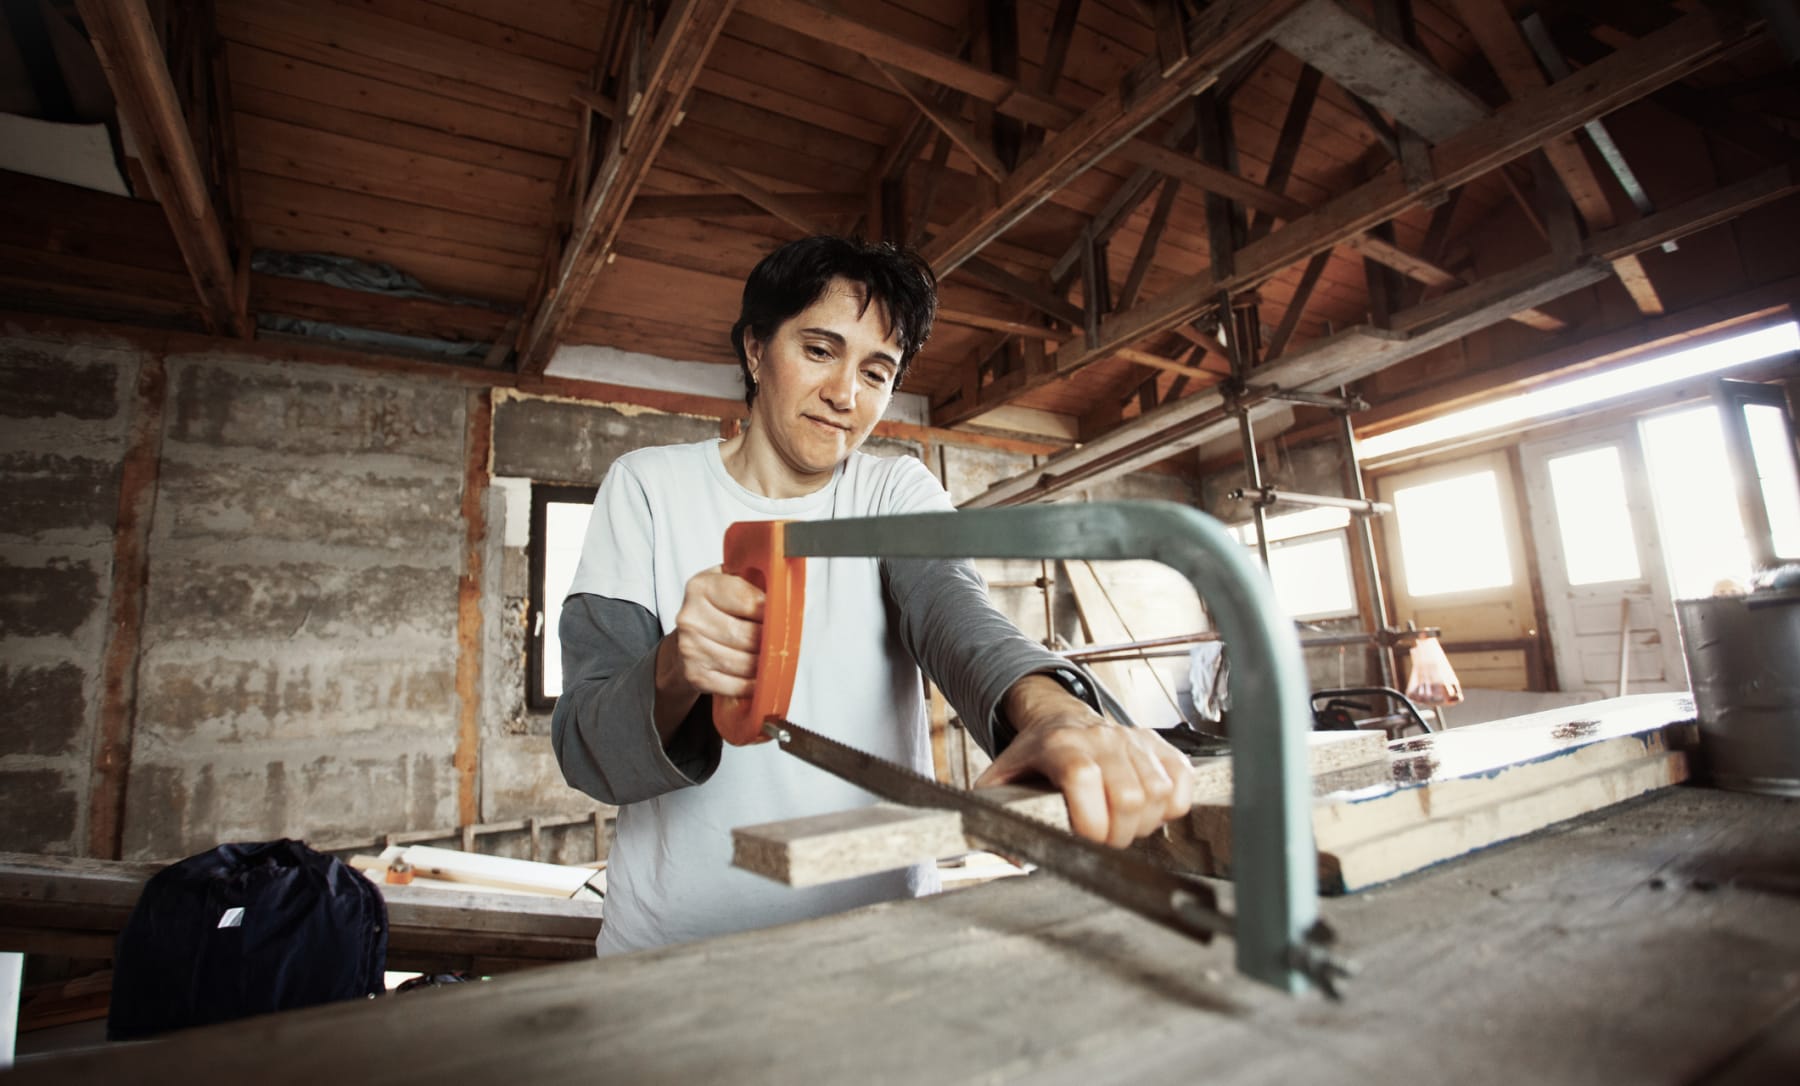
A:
{"x":758,"y":551}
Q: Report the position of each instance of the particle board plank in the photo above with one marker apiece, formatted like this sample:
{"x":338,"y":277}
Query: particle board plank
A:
{"x":863,"y":841}
{"x":383,"y":95}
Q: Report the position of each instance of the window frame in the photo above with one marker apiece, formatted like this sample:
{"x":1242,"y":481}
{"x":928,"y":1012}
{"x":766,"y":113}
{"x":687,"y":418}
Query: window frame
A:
{"x":536,"y":617}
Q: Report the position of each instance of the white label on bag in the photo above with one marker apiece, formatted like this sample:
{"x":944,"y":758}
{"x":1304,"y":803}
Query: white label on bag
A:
{"x":233,"y":918}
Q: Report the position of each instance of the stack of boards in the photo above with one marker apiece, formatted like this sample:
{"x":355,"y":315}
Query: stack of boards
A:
{"x":1381,"y":809}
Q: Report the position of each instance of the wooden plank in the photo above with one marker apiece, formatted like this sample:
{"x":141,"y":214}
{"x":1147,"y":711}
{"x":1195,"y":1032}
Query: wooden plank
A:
{"x":1386,"y":73}
{"x":683,"y":40}
{"x":301,"y":33}
{"x":362,"y":93}
{"x":341,"y":29}
{"x":125,"y":38}
{"x":400,"y":135}
{"x":1468,"y":788}
{"x":813,"y":205}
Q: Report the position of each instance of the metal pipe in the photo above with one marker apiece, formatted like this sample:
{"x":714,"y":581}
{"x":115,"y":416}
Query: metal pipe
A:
{"x":1365,"y":538}
{"x":1268,"y":495}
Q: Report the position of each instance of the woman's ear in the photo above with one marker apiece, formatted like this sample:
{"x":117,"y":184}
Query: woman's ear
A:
{"x":753,"y":351}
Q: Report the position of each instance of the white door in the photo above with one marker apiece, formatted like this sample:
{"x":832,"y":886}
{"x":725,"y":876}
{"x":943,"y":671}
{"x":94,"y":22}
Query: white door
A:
{"x":1606,"y":594}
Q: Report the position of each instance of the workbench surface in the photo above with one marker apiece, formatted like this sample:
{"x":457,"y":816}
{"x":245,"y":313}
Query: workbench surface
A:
{"x":1656,"y":942}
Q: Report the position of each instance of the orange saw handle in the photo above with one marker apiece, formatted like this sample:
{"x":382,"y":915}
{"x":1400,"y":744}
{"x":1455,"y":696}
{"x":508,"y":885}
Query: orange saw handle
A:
{"x":756,"y":551}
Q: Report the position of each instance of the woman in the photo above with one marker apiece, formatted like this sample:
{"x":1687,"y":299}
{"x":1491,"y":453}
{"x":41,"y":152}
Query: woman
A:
{"x":653,"y":628}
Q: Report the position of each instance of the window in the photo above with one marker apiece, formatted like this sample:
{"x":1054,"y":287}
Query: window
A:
{"x":1452,"y":537}
{"x":1772,"y":450}
{"x":559,"y":520}
{"x":1696,"y":506}
{"x":1309,"y":562}
{"x":1593,"y":516}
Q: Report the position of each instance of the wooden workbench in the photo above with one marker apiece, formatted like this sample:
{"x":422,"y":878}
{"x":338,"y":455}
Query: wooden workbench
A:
{"x":1657,"y":942}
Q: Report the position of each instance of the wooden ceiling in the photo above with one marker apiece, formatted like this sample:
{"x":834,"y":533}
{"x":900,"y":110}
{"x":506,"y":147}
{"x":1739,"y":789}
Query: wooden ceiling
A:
{"x":1087,"y":175}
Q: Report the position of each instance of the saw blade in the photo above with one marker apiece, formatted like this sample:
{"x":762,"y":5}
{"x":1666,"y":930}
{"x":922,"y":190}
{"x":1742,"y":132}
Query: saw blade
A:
{"x":1183,"y":904}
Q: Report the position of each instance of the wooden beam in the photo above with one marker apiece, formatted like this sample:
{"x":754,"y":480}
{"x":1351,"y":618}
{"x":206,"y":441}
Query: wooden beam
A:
{"x":1219,"y":35}
{"x":138,"y":480}
{"x":1146,"y":254}
{"x":1357,"y":352}
{"x":1490,"y":23}
{"x":1389,"y":74}
{"x":478,"y":442}
{"x":821,"y":205}
{"x":1025,"y":291}
{"x":960,"y":132}
{"x":1309,"y":280}
{"x":1513,"y":132}
{"x":683,"y":41}
{"x":125,"y":38}
{"x":698,"y":161}
{"x":1287,"y":144}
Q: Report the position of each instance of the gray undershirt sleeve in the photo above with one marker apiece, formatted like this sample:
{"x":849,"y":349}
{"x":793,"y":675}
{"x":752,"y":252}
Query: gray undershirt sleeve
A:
{"x":604,"y":726}
{"x":962,"y":641}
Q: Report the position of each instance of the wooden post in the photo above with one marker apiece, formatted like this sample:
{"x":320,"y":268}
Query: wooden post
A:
{"x":477,"y":445}
{"x":125,"y":614}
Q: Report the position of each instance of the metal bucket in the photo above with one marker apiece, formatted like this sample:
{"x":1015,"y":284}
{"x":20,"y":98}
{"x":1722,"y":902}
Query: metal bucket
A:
{"x":1743,"y":659}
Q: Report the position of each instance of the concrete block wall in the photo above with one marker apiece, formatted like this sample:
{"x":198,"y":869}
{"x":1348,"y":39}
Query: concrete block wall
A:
{"x":297,"y":670}
{"x":65,"y":415}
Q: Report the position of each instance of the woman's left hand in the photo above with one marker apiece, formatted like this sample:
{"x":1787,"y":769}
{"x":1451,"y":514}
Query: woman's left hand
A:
{"x":1120,"y":783}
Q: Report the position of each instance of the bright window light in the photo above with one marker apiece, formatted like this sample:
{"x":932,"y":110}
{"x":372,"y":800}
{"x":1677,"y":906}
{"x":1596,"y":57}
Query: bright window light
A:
{"x":1583,"y":391}
{"x":1594,"y":516}
{"x":1696,"y":505}
{"x":1312,"y":577}
{"x":565,"y":527}
{"x":1452,"y":538}
{"x":1773,"y":450}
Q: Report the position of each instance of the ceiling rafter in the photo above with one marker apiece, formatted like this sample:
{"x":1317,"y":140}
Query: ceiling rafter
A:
{"x":132,"y":56}
{"x":1515,"y":131}
{"x":683,"y":41}
{"x":1358,"y":352}
{"x":1509,"y":54}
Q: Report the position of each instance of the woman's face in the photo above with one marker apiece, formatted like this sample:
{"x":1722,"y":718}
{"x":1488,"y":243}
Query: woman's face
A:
{"x":824,"y":379}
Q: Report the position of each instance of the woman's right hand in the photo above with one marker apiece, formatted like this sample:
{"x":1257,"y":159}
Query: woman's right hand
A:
{"x":717,"y":632}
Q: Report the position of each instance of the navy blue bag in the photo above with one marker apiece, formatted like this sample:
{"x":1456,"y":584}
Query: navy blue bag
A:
{"x":246,"y":929}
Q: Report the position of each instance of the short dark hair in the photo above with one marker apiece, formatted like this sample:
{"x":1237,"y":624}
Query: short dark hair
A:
{"x":797,"y":275}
